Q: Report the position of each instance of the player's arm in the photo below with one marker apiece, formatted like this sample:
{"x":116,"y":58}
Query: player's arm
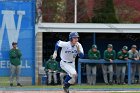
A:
{"x":19,"y":53}
{"x":57,"y":45}
{"x":119,"y":56}
{"x":80,"y":50}
{"x":106,"y":56}
{"x":90,"y":56}
{"x":99,"y":55}
{"x":12,"y":54}
{"x":114,"y":56}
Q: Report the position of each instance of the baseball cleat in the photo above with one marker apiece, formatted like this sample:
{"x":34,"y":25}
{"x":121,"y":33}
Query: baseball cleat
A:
{"x":18,"y":84}
{"x":66,"y":89}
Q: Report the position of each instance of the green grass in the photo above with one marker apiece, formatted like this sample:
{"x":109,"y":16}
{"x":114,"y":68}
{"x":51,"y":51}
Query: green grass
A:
{"x":87,"y":86}
{"x":4,"y":81}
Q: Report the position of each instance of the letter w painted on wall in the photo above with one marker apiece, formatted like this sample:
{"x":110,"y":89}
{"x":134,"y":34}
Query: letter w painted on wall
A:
{"x":8,"y":22}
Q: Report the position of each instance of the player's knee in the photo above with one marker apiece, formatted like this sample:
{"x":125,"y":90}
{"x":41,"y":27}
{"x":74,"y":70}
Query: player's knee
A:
{"x":74,"y":75}
{"x":73,"y":81}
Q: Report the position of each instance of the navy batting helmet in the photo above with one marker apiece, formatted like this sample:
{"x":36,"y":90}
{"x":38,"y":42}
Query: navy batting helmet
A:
{"x":72,"y":35}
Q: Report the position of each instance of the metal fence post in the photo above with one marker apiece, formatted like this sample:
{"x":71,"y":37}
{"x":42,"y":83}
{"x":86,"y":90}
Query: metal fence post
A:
{"x":129,"y":72}
{"x":79,"y":72}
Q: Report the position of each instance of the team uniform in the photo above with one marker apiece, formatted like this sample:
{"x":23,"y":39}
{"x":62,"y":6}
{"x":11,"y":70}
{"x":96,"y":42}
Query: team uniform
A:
{"x":68,"y":55}
{"x":91,"y":68}
{"x":108,"y":67}
{"x":121,"y":68}
{"x":51,"y":68}
{"x":139,"y":68}
{"x":15,"y":57}
{"x":133,"y":55}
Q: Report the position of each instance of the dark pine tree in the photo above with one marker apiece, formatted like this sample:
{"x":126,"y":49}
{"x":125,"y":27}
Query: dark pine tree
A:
{"x":104,"y":12}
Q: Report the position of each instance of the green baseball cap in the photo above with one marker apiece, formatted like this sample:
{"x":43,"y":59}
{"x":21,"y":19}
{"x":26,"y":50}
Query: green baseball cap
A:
{"x":125,"y":48}
{"x":109,"y":46}
{"x":94,"y":46}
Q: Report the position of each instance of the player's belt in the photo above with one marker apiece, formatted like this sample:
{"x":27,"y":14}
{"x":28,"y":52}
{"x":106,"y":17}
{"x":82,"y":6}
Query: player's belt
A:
{"x":67,"y":62}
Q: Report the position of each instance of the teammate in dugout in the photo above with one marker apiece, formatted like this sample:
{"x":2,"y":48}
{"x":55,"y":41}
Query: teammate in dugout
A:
{"x":121,"y":68}
{"x":69,"y":51}
{"x":109,"y":56}
{"x":134,"y":56}
{"x":51,"y":68}
{"x":93,"y":53}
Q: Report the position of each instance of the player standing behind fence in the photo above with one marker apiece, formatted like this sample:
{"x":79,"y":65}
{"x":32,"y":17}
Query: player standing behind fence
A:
{"x":109,"y":56}
{"x":93,"y":53}
{"x":69,"y":51}
{"x":133,"y":55}
{"x":121,"y":68}
{"x":139,"y":68}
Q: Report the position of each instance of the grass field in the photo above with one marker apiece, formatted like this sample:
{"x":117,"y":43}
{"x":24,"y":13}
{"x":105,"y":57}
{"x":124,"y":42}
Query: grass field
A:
{"x":87,"y":86}
{"x":99,"y":88}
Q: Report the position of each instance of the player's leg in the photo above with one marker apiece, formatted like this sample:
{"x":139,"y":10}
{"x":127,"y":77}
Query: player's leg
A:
{"x":49,"y":77}
{"x":88,"y":72}
{"x":118,"y":72}
{"x":72,"y":73}
{"x":18,"y":75}
{"x":13,"y":69}
{"x":71,"y":77}
{"x":94,"y":74}
{"x":104,"y":70}
{"x":110,"y":68}
{"x":123,"y":74}
{"x":55,"y":77}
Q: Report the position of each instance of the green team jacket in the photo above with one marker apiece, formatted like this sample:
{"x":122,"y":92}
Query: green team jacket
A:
{"x":124,"y":55}
{"x":94,"y":55}
{"x":52,"y":65}
{"x":15,"y":56}
{"x":109,"y":55}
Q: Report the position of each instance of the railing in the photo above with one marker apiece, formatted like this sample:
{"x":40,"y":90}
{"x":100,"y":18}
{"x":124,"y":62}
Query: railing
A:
{"x":102,"y":61}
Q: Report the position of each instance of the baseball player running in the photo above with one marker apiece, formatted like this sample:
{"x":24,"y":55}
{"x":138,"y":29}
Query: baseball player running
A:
{"x":69,"y":51}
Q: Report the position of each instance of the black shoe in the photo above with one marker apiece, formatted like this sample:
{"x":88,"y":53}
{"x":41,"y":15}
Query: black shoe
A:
{"x":107,"y":83}
{"x":11,"y":84}
{"x":66,"y":89}
{"x":18,"y":84}
{"x":110,"y":83}
{"x":118,"y":83}
{"x":123,"y":83}
{"x":55,"y":84}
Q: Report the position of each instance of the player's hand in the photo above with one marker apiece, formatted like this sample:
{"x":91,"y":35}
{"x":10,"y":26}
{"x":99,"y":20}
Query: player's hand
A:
{"x":111,"y":61}
{"x":120,"y":57}
{"x":49,"y":70}
{"x":136,"y":59}
{"x":126,"y":58}
{"x":54,"y":54}
{"x":78,"y":48}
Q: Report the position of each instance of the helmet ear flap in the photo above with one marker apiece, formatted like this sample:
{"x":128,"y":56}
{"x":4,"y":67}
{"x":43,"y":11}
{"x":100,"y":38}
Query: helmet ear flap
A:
{"x":69,"y":38}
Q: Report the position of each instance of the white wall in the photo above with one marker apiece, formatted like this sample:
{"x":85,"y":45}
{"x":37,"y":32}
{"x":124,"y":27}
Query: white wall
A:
{"x":82,"y":27}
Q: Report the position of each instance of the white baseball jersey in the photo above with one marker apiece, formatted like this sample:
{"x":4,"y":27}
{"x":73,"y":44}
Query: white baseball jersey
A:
{"x":69,"y":52}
